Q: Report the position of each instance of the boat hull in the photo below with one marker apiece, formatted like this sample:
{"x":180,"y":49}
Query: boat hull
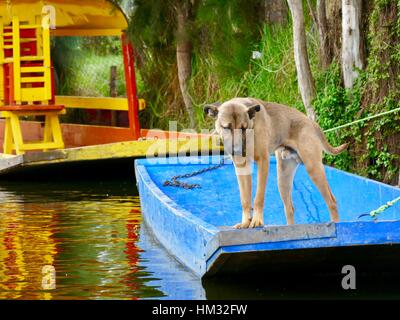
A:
{"x":195,"y":225}
{"x":105,"y":150}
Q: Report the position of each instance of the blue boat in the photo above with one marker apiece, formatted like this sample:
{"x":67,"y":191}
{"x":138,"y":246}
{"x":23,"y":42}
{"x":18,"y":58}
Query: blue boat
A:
{"x":195,"y":225}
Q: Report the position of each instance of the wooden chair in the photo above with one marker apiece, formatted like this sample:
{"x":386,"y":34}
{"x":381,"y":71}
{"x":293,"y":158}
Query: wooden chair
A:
{"x":28,"y":83}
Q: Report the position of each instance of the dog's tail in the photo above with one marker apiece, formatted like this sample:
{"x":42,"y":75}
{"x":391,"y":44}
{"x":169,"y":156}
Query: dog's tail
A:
{"x":327,"y":147}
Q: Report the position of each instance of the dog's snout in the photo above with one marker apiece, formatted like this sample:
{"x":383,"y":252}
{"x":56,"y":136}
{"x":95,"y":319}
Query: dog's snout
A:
{"x":238,"y":143}
{"x":237,"y":151}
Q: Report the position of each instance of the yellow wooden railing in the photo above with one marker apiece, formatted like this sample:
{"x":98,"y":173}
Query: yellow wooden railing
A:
{"x":98,"y":103}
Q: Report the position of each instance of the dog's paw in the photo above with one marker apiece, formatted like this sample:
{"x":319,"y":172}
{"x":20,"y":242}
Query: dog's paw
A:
{"x":256,"y":222}
{"x":242,"y":225}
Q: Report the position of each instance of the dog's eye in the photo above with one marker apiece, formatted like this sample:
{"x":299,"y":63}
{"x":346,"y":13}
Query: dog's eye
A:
{"x":226,"y":128}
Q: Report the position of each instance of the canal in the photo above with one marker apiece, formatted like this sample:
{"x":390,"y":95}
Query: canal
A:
{"x":91,"y":234}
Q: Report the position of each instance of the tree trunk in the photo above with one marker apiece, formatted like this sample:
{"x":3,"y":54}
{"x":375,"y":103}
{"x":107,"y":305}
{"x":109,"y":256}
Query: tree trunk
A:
{"x":351,"y":57}
{"x":275,"y":11}
{"x":184,"y":56}
{"x":325,"y":49}
{"x":304,"y":76}
{"x":334,"y":19}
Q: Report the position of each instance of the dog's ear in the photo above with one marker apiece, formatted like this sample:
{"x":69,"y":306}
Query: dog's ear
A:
{"x":252,"y":110}
{"x":212,"y":109}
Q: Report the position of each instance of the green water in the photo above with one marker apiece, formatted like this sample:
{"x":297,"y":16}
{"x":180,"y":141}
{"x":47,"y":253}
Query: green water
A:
{"x":92,"y":234}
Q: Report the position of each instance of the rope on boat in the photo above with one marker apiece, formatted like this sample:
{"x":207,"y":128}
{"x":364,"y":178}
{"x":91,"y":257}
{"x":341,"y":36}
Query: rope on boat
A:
{"x":374,"y":213}
{"x":362,"y":120}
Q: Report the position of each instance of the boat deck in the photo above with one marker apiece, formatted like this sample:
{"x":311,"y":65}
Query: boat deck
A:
{"x":217,"y":201}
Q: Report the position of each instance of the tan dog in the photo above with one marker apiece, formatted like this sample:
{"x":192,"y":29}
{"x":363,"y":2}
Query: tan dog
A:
{"x":277,"y":128}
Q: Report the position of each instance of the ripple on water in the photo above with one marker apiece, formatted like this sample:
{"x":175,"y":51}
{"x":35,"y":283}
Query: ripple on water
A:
{"x":93,"y":236}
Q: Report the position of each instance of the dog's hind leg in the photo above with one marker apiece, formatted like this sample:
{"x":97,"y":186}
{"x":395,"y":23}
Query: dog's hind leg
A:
{"x":311,"y":155}
{"x":286,"y":169}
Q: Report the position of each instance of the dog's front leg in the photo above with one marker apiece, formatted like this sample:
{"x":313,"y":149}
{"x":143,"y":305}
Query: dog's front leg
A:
{"x":262,"y":177}
{"x":243,"y":174}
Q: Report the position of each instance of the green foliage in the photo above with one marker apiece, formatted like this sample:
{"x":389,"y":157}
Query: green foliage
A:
{"x":83,"y":68}
{"x":221,"y":53}
{"x":368,"y":153}
{"x":230,"y":39}
{"x":271,"y":78}
{"x":103,"y":46}
{"x":92,"y":72}
{"x":334,"y":107}
{"x":223,"y":34}
{"x":152,"y":23}
{"x":374,"y":148}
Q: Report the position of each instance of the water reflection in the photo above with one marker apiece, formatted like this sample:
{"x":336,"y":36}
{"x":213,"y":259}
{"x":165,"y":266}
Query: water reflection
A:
{"x":91,"y":233}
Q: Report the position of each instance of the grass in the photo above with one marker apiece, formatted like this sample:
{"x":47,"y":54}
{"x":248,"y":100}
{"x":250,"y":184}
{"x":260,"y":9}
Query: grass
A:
{"x":88,"y":75}
{"x":270,"y":78}
{"x":273,"y":77}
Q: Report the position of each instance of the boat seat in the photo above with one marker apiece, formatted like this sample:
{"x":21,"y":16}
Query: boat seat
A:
{"x":32,"y":108}
{"x":13,"y":139}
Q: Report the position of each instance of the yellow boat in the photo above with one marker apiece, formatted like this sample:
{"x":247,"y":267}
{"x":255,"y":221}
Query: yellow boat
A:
{"x":27,"y":28}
